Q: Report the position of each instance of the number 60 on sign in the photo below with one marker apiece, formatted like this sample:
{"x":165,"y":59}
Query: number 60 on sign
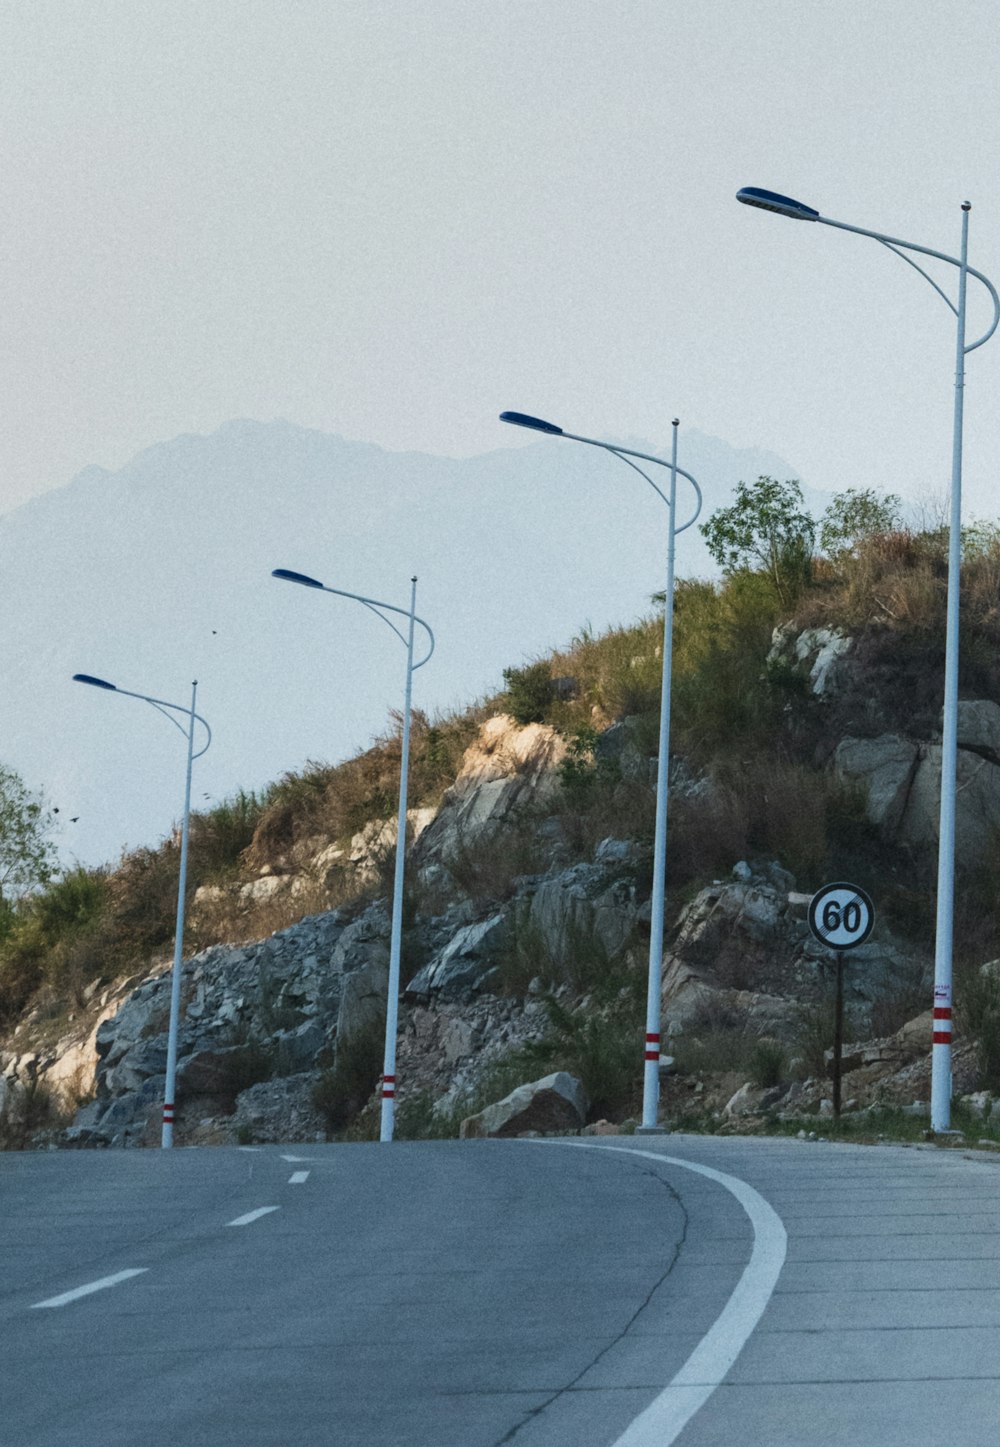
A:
{"x":841,"y":916}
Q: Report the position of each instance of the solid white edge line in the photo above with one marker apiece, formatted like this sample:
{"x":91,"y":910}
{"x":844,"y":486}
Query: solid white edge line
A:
{"x":298,"y":1178}
{"x":90,"y":1288}
{"x":252,"y":1216}
{"x":668,"y":1414}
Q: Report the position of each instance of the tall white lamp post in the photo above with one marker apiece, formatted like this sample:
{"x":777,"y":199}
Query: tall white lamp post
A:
{"x":651,"y":1074}
{"x":395,"y":945}
{"x":944,"y":936}
{"x":169,"y":710}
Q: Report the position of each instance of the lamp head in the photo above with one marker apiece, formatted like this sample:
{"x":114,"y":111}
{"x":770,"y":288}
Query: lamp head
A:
{"x":522,"y":419}
{"x":94,"y":682}
{"x":289,"y":577}
{"x":772,"y":201}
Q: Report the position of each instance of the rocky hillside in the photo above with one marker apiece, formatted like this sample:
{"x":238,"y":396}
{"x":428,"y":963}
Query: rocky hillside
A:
{"x":806,"y":750}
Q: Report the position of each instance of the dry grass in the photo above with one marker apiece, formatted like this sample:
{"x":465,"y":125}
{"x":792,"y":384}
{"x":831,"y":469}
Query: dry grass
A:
{"x":336,"y":801}
{"x":230,"y":920}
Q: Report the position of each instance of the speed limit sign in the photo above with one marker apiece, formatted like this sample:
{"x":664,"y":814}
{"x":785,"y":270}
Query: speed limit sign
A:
{"x":841,"y":916}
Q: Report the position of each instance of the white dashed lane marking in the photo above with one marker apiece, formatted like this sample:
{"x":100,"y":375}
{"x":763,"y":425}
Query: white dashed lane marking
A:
{"x":90,"y":1288}
{"x":297,"y":1178}
{"x":253,"y":1215}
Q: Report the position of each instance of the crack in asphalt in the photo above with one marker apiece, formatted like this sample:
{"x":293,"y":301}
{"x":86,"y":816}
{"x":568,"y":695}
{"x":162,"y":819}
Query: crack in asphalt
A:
{"x":571,"y":1385}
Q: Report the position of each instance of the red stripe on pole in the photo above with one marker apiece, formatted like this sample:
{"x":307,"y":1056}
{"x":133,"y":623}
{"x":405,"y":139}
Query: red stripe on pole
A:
{"x":652,"y":1055}
{"x":942,"y":1012}
{"x":652,"y":1039}
{"x":941,"y":1037}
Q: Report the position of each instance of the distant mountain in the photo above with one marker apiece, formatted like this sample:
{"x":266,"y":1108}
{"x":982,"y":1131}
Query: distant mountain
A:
{"x":159,"y":573}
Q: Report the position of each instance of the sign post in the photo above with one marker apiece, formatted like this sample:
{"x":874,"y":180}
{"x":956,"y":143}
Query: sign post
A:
{"x":842,"y":917}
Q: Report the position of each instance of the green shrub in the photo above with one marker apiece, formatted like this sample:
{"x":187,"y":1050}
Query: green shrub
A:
{"x":219,"y":837}
{"x":529,"y":692}
{"x":814,"y":1036}
{"x":51,"y":939}
{"x":722,"y":692}
{"x":768,"y":1063}
{"x":525,"y":956}
{"x":977,"y":1014}
{"x":245,"y":1065}
{"x":713,"y":1047}
{"x":487,"y":867}
{"x":766,"y":533}
{"x":603,"y":1048}
{"x":343,"y":1090}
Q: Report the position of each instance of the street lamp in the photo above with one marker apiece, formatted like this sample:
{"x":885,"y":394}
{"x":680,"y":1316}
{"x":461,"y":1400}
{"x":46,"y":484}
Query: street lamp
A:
{"x":395,"y":945}
{"x":167,"y":1136}
{"x":941,"y":1039}
{"x":651,"y":1074}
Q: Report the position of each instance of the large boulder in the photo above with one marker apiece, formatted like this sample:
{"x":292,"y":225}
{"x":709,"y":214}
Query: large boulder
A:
{"x":557,"y":1103}
{"x":743,"y":951}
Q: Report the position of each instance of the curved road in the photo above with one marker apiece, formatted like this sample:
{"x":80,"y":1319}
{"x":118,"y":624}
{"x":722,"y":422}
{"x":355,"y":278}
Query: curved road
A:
{"x":545,"y":1294}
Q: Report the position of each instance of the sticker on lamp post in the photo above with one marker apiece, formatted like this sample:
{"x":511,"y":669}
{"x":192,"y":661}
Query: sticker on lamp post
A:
{"x":841,"y":916}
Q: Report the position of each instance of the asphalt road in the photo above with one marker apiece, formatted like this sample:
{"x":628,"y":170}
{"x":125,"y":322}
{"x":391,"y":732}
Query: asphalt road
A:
{"x":627,"y":1292}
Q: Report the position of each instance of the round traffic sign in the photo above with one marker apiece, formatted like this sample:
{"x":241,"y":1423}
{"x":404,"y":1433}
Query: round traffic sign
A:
{"x":841,"y":916}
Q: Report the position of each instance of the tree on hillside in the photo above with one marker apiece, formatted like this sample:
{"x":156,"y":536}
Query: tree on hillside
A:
{"x":766,"y":530}
{"x":27,"y":855}
{"x":855,"y":515}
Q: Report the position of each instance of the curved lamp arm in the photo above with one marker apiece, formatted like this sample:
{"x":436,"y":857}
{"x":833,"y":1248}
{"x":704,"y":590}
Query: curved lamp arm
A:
{"x":160,"y":704}
{"x":522,"y":419}
{"x":786,"y":206}
{"x":372,"y":604}
{"x":894,"y":244}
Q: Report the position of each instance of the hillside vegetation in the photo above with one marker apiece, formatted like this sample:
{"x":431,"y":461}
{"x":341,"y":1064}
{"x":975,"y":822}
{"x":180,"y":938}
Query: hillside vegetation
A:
{"x":752,"y":744}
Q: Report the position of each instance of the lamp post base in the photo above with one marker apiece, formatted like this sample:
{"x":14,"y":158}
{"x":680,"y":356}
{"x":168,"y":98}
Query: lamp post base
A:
{"x":651,"y":1130}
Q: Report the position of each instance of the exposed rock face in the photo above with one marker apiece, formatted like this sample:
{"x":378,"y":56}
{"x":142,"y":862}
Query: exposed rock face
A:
{"x":885,"y":767}
{"x":446,"y":1048}
{"x":979,"y":728}
{"x":555,"y":1103}
{"x":467,"y":962}
{"x":902,"y":780}
{"x":740,"y":957}
{"x":371,"y":847}
{"x":286,"y":997}
{"x":621,"y":744}
{"x":580,"y":906}
{"x":280,"y":1110}
{"x":507,"y":768}
{"x":743,"y":952}
{"x":819,"y":650}
{"x":585,"y":907}
{"x":67,"y":1069}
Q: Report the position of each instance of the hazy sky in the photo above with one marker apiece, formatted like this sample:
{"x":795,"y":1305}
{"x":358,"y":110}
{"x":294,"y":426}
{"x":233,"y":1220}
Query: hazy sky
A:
{"x":392,"y":218}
